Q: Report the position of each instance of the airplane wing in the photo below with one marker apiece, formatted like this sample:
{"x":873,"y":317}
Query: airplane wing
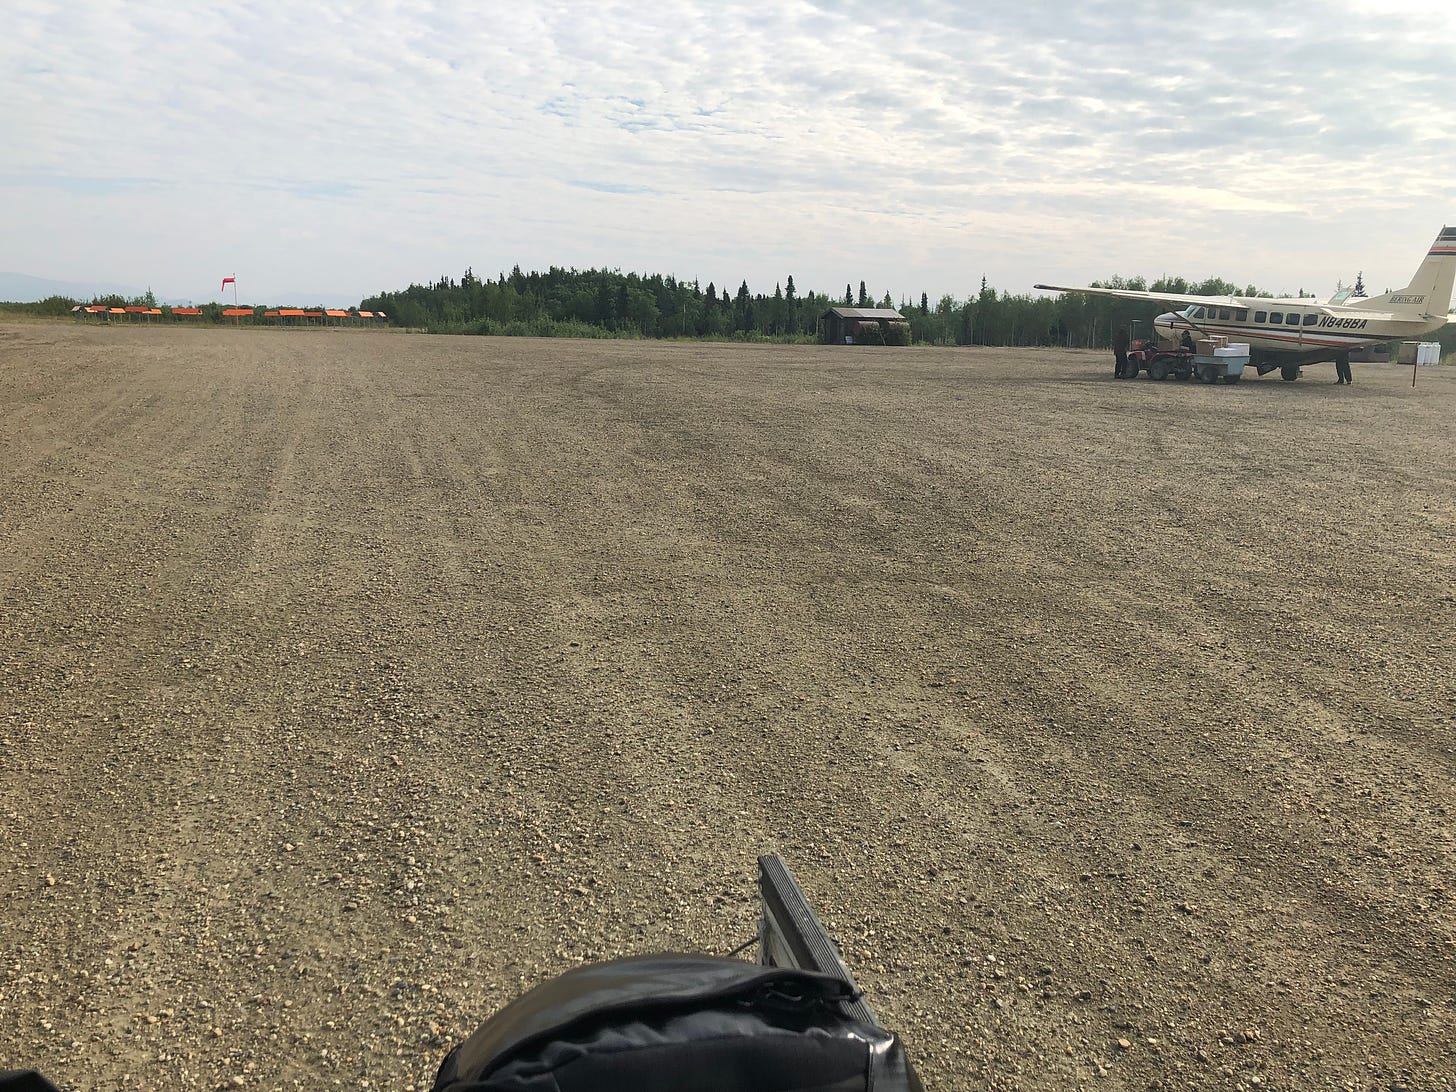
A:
{"x":1146,"y":297}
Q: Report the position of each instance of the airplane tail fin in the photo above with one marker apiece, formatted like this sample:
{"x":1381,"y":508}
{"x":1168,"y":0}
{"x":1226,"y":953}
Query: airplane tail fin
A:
{"x":1429,"y":293}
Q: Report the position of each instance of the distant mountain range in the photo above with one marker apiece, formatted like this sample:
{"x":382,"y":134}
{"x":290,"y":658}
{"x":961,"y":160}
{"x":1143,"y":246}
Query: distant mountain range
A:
{"x":23,"y":288}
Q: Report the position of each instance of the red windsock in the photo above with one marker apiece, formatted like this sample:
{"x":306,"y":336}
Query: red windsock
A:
{"x":227,"y":281}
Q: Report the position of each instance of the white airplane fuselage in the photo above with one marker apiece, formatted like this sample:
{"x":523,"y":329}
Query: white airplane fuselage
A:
{"x":1292,"y":330}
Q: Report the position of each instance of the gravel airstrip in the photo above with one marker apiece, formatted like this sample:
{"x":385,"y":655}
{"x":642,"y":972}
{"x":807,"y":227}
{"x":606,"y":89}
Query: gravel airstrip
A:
{"x":352,"y":683}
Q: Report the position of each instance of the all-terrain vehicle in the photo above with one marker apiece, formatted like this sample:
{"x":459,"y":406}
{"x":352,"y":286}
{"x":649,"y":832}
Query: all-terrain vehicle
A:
{"x":1158,"y":360}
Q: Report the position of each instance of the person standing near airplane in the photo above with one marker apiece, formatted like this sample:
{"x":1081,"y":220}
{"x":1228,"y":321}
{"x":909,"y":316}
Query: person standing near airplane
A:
{"x":1342,"y":369}
{"x":1119,"y":349}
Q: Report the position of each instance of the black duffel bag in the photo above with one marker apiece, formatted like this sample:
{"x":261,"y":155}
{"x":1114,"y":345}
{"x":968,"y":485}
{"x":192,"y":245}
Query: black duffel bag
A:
{"x":674,"y":1023}
{"x":24,"y":1080}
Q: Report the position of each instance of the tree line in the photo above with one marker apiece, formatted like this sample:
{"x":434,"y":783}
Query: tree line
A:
{"x":604,"y":303}
{"x":61,"y":306}
{"x":597,"y":303}
{"x":610,"y":303}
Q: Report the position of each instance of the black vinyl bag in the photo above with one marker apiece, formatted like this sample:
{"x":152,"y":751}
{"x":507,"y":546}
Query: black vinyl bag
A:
{"x":674,"y":1023}
{"x":24,"y":1080}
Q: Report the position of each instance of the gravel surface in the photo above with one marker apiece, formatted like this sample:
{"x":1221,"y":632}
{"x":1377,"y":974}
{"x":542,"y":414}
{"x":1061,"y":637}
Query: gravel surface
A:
{"x":351,"y":683}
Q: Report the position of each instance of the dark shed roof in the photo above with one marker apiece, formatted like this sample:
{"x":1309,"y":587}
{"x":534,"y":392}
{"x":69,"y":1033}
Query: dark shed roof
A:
{"x":866,"y":313}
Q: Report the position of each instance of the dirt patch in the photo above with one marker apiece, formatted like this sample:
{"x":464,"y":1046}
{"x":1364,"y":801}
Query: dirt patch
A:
{"x":354,"y":682}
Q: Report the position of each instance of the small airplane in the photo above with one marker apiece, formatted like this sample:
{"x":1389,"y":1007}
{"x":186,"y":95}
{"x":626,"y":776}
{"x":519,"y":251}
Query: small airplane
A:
{"x":1284,"y":334}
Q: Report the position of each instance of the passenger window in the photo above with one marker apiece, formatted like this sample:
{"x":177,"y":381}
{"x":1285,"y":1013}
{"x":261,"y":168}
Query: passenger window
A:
{"x":1291,"y":320}
{"x":1223,"y":313}
{"x":1261,"y":316}
{"x":1241,"y":316}
{"x":1310,"y":320}
{"x":1277,"y":317}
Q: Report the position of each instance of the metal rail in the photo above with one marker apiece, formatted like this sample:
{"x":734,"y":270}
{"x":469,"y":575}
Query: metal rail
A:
{"x":790,"y":934}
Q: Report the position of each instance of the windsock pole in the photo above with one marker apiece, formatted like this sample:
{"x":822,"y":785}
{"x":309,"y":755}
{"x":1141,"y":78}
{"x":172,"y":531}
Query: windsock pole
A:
{"x":234,"y":279}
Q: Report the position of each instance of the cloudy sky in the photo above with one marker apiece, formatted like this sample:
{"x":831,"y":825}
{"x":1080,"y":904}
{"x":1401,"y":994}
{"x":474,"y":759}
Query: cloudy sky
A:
{"x":915,"y":144}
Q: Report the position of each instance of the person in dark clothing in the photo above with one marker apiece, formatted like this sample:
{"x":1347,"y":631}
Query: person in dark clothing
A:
{"x":1342,"y":369}
{"x":1119,"y":350}
{"x":1188,"y":341}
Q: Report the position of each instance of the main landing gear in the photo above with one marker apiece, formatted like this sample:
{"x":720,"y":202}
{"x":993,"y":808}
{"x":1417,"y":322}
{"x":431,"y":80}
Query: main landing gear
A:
{"x":1287,"y":372}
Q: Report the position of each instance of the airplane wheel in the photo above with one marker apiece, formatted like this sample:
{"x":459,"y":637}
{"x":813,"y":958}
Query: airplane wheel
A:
{"x":1289,"y":375}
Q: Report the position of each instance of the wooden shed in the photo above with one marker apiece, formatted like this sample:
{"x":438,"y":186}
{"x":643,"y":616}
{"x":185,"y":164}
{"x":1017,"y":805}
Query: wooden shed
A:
{"x":864,"y":326}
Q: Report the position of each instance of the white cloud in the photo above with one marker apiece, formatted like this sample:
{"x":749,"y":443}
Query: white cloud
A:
{"x":915,"y":146}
